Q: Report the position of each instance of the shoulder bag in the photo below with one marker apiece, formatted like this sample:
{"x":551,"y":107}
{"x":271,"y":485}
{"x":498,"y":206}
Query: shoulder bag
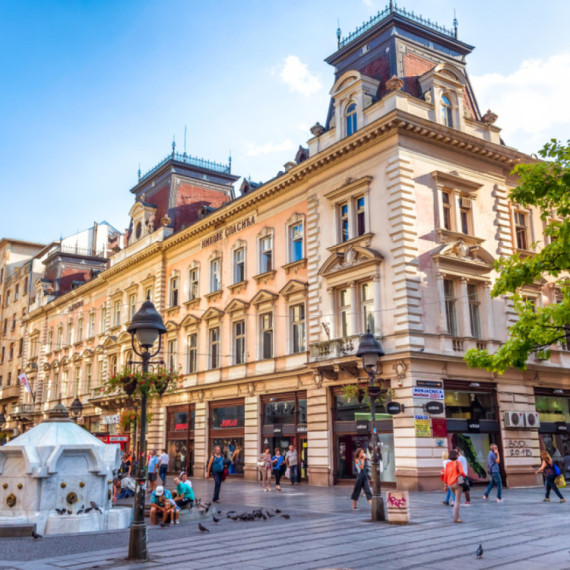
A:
{"x":460,"y":478}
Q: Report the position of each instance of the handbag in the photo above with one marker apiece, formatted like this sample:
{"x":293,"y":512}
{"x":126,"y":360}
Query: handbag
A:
{"x":261,"y":463}
{"x":460,"y":478}
{"x":560,"y":481}
{"x":288,"y":473}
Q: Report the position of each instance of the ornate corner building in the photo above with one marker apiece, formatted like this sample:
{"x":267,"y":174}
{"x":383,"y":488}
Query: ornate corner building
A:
{"x":390,"y":221}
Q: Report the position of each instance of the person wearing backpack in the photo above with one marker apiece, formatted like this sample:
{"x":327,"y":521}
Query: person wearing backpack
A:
{"x":551,"y":471}
{"x":216,"y":469}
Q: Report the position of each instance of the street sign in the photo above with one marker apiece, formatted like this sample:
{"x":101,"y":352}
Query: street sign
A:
{"x":434,"y":408}
{"x":429,"y":383}
{"x":394,"y":408}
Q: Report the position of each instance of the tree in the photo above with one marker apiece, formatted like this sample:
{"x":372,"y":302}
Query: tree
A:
{"x":545,"y":186}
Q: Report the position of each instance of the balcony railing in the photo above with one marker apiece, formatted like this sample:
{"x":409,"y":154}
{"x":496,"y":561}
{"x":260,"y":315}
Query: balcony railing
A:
{"x":76,"y":250}
{"x":22,"y":409}
{"x":336,"y":348}
{"x":194,"y":161}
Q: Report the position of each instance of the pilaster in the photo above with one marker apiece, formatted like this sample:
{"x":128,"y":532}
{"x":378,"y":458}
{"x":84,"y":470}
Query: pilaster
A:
{"x":201,"y":454}
{"x":319,"y":437}
{"x":313,"y":264}
{"x":252,"y":434}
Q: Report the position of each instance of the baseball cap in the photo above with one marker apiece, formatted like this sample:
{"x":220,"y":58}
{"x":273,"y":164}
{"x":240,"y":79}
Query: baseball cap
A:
{"x":159,"y":491}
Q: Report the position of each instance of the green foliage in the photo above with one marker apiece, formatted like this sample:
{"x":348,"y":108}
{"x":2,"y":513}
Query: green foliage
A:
{"x":151,"y":384}
{"x":545,"y":186}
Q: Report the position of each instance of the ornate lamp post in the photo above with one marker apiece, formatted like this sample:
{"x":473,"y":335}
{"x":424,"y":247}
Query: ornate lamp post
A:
{"x":76,"y":409}
{"x":370,"y":351}
{"x":147,"y":326}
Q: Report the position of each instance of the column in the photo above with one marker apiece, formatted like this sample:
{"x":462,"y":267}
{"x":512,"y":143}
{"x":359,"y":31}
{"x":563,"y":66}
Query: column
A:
{"x":462,"y":307}
{"x":354,"y":312}
{"x":377,"y":310}
{"x":319,"y":438}
{"x":201,"y":454}
{"x":251,"y":438}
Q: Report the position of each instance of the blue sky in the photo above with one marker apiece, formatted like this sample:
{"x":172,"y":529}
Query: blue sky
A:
{"x":92,"y":88}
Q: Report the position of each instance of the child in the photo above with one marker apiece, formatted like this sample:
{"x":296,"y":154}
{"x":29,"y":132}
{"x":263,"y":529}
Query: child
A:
{"x":170,"y":510}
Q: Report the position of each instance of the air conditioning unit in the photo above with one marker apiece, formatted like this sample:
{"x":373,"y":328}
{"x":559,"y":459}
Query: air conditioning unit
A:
{"x":514,"y":420}
{"x":532,"y":420}
{"x":465,"y":202}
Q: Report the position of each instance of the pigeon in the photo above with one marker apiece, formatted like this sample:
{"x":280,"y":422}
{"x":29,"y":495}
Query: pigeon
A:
{"x":88,"y":510}
{"x":60,"y":511}
{"x":81,"y":510}
{"x":263,"y":517}
{"x":162,"y":524}
{"x":278,"y":511}
{"x":285,"y":517}
{"x":215,"y":520}
{"x":270,"y":515}
{"x":231,"y":514}
{"x":202,"y":528}
{"x":480,"y":551}
{"x":69,"y":512}
{"x":36,"y":535}
{"x":95,"y":506}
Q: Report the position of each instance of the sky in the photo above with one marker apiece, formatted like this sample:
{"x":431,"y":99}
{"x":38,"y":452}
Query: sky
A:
{"x":90,"y":89}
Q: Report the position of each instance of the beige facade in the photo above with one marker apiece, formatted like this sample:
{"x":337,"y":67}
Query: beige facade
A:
{"x":391,"y":222}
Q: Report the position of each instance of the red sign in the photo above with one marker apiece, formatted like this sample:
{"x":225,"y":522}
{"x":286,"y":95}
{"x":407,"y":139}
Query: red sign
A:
{"x":439,"y":427}
{"x":181,"y":427}
{"x":229,"y":423}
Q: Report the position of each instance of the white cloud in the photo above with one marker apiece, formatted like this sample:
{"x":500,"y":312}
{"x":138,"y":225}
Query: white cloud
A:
{"x":531,"y":102}
{"x":267,"y":148}
{"x":368,"y":3}
{"x":297,"y":76}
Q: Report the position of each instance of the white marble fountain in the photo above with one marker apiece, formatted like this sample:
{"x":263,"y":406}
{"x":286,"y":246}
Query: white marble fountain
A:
{"x":59,"y":467}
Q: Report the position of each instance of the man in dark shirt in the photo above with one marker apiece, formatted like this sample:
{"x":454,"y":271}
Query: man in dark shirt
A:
{"x":493,"y":461}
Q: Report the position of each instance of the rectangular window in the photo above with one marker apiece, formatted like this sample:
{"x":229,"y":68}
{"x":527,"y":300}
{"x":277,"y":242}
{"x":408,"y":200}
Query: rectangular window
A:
{"x":80,"y":330}
{"x":5,"y":329}
{"x":65,"y":383}
{"x":0,"y":381}
{"x":69,"y":337}
{"x":148,"y":294}
{"x":266,"y":254}
{"x":447,"y":214}
{"x":59,"y":337}
{"x":194,"y":292}
{"x":11,"y":351}
{"x":214,"y":335}
{"x":215,"y":282}
{"x":9,"y":380}
{"x":91,"y":331}
{"x":88,"y":374}
{"x":360,"y":216}
{"x":50,"y":341}
{"x":296,"y":242}
{"x":473,"y":296}
{"x":521,"y":230}
{"x":298,"y":328}
{"x":450,"y":312}
{"x":25,"y":290}
{"x":174,"y":292}
{"x":16,"y":292}
{"x":192,"y":353}
{"x":344,"y":225}
{"x":77,"y":381}
{"x":3,"y":353}
{"x":344,"y":312}
{"x":103,"y":327}
{"x":117,"y":313}
{"x":7,"y":298}
{"x":266,"y":335}
{"x":239,"y":342}
{"x":464,"y":213}
{"x":21,"y":346}
{"x":367,"y":304}
{"x":100,"y":371}
{"x":239,"y":265}
{"x":14,"y":322}
{"x":172,"y":355}
{"x":132,"y":306}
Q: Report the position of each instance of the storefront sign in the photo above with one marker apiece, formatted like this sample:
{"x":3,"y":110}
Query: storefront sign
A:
{"x":422,"y":425}
{"x":277,"y":429}
{"x":429,"y":383}
{"x":561,"y":426}
{"x":118,"y":438}
{"x":428,"y":393}
{"x":181,"y":427}
{"x":395,"y":408}
{"x":229,"y":231}
{"x":473,"y":426}
{"x":111,"y":420}
{"x":434,"y":408}
{"x":301,"y":429}
{"x":362,"y":428}
{"x":229,"y":423}
{"x":439,"y":427}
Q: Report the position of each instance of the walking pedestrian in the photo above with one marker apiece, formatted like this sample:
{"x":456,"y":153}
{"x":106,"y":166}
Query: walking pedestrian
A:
{"x":216,"y":469}
{"x":449,"y":494}
{"x":278,"y":464}
{"x":361,"y":482}
{"x":163,"y":466}
{"x":454,"y":477}
{"x":266,"y":466}
{"x":467,"y":485}
{"x":152,"y":470}
{"x":291,"y":461}
{"x":551,"y":471}
{"x":493,"y":462}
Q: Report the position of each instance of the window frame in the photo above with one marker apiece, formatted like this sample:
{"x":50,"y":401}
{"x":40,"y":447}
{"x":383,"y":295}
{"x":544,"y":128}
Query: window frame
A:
{"x":239,"y":265}
{"x":450,"y":300}
{"x":344,"y":313}
{"x":295,"y":238}
{"x":192,"y":353}
{"x":193,"y":283}
{"x":214,"y":343}
{"x":296,"y":324}
{"x":351,"y":118}
{"x":266,"y":256}
{"x":239,"y":341}
{"x":367,"y":306}
{"x":447,"y":111}
{"x":521,"y":229}
{"x":474,"y":310}
{"x":174,"y":291}
{"x":266,"y":335}
{"x":215,"y":274}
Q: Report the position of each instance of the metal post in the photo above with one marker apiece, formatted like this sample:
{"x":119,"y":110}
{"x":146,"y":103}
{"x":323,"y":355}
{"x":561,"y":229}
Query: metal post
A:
{"x":135,"y":454}
{"x":138,"y":543}
{"x":377,"y":501}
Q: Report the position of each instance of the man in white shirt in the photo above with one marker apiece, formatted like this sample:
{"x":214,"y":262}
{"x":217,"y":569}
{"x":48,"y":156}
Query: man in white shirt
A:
{"x":163,"y":466}
{"x":463,"y":460}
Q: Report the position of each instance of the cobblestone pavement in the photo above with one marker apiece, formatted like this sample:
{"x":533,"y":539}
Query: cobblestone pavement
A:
{"x":523,"y":533}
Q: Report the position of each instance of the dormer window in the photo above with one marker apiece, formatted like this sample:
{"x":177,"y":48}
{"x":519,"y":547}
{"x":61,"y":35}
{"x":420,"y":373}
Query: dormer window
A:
{"x":446,"y":111}
{"x":351,"y":124}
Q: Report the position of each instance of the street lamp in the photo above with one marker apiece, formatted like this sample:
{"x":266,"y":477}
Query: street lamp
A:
{"x":147,"y":326}
{"x":370,"y":350}
{"x":76,"y":409}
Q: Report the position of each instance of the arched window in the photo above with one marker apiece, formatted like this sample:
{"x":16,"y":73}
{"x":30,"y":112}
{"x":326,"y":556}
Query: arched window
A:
{"x":128,"y":358}
{"x":351,"y":125}
{"x":113,"y":367}
{"x":446,"y":111}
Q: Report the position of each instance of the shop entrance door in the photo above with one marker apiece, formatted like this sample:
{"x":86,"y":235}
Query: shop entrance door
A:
{"x":302,"y":451}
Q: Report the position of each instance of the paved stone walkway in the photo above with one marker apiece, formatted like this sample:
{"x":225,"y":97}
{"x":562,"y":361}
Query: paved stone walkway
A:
{"x":324,"y":533}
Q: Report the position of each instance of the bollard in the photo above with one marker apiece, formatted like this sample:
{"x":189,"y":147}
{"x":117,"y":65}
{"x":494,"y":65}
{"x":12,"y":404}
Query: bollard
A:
{"x":398,"y":507}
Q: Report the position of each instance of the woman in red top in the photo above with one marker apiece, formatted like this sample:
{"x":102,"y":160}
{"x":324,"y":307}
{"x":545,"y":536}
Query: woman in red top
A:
{"x":453,"y":471}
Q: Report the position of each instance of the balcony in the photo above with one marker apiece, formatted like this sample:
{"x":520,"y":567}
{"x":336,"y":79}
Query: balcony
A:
{"x":24,"y":412}
{"x":9,"y":392}
{"x":75,"y":250}
{"x":337,"y":348}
